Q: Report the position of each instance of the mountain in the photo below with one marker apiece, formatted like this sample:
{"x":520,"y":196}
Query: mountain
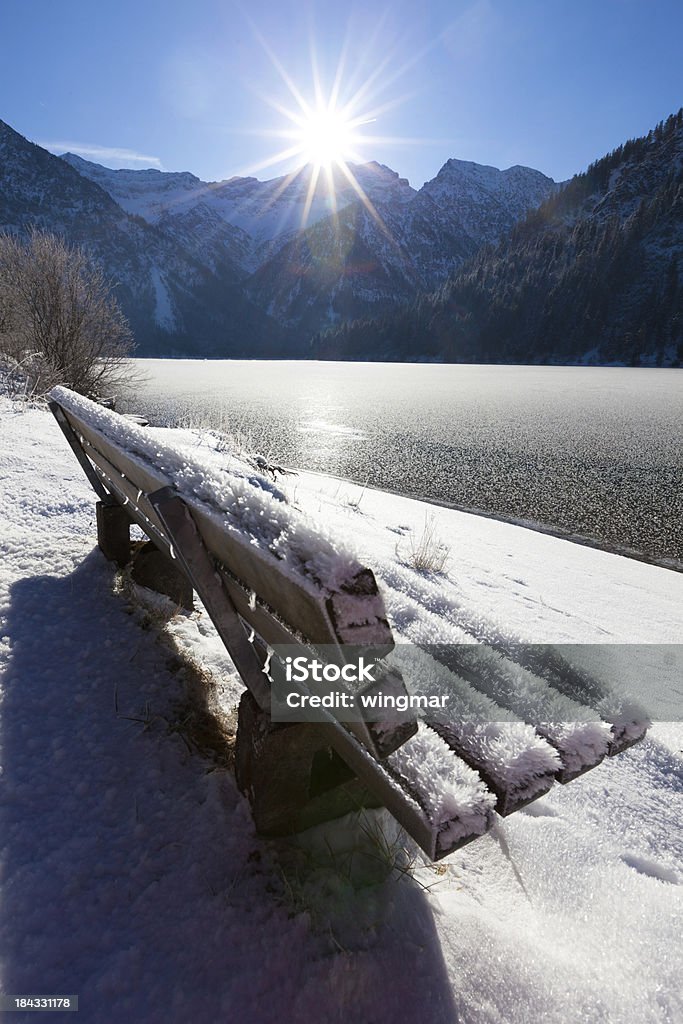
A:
{"x":249,"y":268}
{"x":176,"y":302}
{"x":178,"y":203}
{"x":258,"y":217}
{"x":322,"y":251}
{"x":593,"y":275}
{"x":369,"y":260}
{"x":474,"y":205}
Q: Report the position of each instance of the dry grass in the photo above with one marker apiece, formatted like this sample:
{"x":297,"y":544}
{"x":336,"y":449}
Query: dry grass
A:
{"x":426,"y":553}
{"x":354,"y":503}
{"x":335,"y":872}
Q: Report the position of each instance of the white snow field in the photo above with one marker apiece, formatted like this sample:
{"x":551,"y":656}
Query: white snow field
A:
{"x":130,"y":871}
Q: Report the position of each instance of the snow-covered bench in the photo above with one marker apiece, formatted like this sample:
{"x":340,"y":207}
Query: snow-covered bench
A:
{"x":267,"y":575}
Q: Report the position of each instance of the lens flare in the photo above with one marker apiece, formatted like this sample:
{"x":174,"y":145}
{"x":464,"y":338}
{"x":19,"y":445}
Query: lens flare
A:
{"x":323,"y":133}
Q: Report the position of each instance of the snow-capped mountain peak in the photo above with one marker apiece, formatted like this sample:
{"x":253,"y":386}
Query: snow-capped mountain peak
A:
{"x":307,"y":248}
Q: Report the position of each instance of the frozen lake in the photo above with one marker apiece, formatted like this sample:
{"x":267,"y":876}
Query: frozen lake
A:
{"x":591,"y":451}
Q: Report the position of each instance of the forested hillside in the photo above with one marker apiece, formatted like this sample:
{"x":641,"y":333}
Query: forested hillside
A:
{"x":593,"y":275}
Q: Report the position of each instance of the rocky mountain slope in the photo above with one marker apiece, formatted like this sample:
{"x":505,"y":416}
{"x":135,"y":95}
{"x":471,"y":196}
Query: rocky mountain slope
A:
{"x":593,"y":275}
{"x":177,"y":300}
{"x":258,"y":217}
{"x":370,"y":260}
{"x":315,"y":253}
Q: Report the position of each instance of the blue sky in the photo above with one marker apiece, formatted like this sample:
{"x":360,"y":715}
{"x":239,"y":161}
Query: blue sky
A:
{"x":186,"y":86}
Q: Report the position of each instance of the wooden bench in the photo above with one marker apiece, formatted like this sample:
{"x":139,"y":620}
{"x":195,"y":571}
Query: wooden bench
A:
{"x":266,"y":579}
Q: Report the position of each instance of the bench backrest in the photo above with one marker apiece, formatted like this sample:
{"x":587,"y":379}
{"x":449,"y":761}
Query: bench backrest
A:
{"x":280,"y":600}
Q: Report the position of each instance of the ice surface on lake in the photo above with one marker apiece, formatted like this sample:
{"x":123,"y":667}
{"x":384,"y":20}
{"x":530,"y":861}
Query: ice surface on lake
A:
{"x":590,"y":450}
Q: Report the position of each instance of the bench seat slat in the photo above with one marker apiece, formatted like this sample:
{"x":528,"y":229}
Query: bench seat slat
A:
{"x":453,"y":797}
{"x":500,"y":752}
{"x":431,"y":792}
{"x":515,"y":761}
{"x":581,"y":740}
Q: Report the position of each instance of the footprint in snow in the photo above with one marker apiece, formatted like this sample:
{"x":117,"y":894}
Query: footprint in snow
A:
{"x":539,"y":810}
{"x":650,"y":867}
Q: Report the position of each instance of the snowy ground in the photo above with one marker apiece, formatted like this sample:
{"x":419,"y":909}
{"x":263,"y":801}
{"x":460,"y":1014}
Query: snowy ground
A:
{"x":131,"y":874}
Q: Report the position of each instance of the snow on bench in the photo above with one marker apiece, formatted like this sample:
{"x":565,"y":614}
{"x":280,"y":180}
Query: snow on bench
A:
{"x":269,"y":575}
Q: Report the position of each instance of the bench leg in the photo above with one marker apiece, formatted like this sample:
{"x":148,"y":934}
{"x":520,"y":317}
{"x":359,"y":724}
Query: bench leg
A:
{"x":291,"y":776}
{"x":155,"y":570}
{"x":113,"y":532}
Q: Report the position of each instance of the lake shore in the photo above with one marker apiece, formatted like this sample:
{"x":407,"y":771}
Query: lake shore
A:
{"x":589,"y":453}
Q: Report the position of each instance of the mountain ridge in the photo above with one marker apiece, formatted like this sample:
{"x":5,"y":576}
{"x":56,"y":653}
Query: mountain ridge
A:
{"x":466,"y":267}
{"x":242,"y":266}
{"x":593,"y":275}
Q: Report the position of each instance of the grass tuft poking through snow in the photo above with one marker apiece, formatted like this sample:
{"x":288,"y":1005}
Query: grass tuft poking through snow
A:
{"x":426,"y":553}
{"x":340,"y":874}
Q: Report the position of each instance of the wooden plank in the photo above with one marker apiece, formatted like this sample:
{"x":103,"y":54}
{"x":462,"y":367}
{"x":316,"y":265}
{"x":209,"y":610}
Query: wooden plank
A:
{"x":259,"y":617}
{"x":386,"y":788}
{"x":405,"y":799}
{"x":305,"y":607}
{"x":510,"y":797}
{"x":128,"y":492}
{"x":621,"y":740}
{"x":76,"y":448}
{"x":191,"y":554}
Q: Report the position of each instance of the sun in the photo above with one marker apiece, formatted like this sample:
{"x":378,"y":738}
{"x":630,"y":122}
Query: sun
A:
{"x":326,"y":134}
{"x":326,"y":137}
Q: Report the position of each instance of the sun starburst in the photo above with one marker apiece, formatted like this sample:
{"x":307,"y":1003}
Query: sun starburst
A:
{"x":325,"y":134}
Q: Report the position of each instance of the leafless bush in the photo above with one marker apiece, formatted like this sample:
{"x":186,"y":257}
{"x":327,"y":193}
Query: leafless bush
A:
{"x":59,"y":323}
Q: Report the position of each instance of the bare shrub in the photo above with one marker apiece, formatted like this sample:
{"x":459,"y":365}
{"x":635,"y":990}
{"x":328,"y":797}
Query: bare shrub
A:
{"x":426,"y":553}
{"x":59,"y":322}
